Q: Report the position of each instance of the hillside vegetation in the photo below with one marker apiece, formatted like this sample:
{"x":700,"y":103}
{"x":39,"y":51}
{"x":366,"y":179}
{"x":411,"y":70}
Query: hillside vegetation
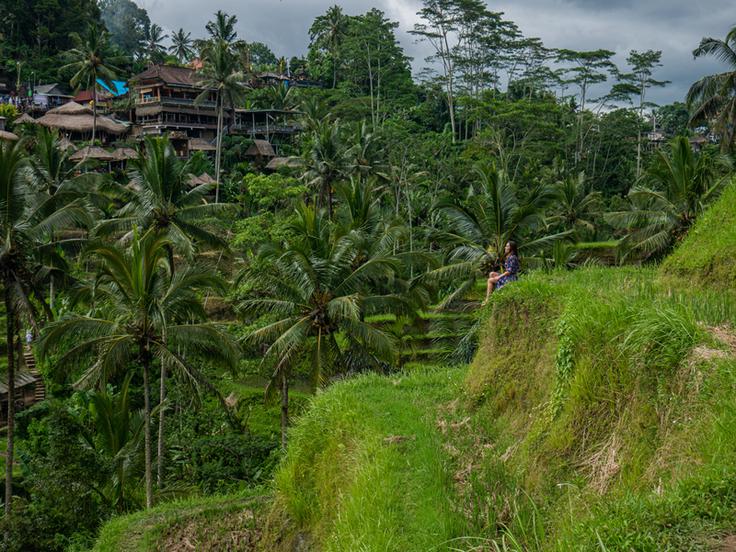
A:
{"x":708,"y":253}
{"x":599,"y":413}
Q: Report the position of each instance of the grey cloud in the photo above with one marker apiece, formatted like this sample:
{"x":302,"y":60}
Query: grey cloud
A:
{"x":673,"y":26}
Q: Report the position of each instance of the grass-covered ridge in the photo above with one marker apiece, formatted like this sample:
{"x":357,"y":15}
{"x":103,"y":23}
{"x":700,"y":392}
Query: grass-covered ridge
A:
{"x":708,"y":253}
{"x":598,"y":413}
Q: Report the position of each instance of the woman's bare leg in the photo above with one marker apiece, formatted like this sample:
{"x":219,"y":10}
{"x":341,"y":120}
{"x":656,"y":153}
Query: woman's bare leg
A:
{"x":489,"y":285}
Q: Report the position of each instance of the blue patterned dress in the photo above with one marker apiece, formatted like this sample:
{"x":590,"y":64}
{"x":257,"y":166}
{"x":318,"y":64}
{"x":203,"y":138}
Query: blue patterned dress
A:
{"x":512,"y":267}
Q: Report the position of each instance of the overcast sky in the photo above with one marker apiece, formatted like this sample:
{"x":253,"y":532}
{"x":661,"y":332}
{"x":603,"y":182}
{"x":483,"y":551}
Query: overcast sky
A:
{"x":673,"y":26}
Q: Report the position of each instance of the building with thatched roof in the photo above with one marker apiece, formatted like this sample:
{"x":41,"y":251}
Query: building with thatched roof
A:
{"x":92,"y":152}
{"x":4,"y":134}
{"x":280,"y":162}
{"x":29,"y":387}
{"x":24,"y":119}
{"x":76,"y":122}
{"x":200,"y":144}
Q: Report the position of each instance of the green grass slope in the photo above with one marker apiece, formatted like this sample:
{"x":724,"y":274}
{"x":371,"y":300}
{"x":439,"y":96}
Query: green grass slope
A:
{"x":598,"y":414}
{"x":708,"y":253}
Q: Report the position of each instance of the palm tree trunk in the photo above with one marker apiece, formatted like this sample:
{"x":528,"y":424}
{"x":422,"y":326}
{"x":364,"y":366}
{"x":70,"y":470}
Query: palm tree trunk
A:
{"x":284,"y":407}
{"x":160,"y":447}
{"x":94,"y":112}
{"x":218,"y":149}
{"x":146,"y":361}
{"x":9,"y":456}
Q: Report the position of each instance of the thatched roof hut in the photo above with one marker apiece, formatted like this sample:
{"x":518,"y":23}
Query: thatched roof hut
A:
{"x":203,"y":178}
{"x":279,"y":162}
{"x":124,"y":154}
{"x":200,"y":144}
{"x":24,"y":119}
{"x":73,"y":117}
{"x":260,"y":148}
{"x":8,"y":136}
{"x":92,"y":152}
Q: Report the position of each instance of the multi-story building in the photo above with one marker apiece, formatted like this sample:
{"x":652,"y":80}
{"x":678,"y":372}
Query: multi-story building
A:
{"x":164,"y":99}
{"x":164,"y":103}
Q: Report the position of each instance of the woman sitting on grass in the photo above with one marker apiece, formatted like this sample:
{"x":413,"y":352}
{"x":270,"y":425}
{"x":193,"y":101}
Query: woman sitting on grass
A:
{"x":511,"y":267}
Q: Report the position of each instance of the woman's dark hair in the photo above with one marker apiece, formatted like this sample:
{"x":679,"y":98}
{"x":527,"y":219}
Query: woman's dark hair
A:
{"x":513,"y":248}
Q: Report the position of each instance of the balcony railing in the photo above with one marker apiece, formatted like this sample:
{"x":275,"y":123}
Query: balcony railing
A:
{"x":175,"y":101}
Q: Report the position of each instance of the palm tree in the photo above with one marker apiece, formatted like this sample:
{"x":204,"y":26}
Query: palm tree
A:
{"x":713,"y":98}
{"x":89,"y":61}
{"x":219,"y":74}
{"x":577,"y":205}
{"x":325,"y":161}
{"x":117,"y":435}
{"x":27,"y":218}
{"x":679,"y":184}
{"x":222,"y":28}
{"x":318,"y":286}
{"x":142,"y":314}
{"x":162,"y":200}
{"x":181,"y":46}
{"x":328,"y":32}
{"x":153,"y":37}
{"x":494,"y":212}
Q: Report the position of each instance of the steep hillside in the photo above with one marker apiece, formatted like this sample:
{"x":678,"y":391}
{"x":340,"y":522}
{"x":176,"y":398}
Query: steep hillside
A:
{"x":708,"y":253}
{"x":599,"y":413}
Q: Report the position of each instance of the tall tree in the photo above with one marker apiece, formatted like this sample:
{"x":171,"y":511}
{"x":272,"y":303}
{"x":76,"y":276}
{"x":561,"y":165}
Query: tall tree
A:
{"x":154,"y":49}
{"x":713,"y":98}
{"x":222,"y":27}
{"x":637,"y":82}
{"x":142,"y":314}
{"x":27,"y":217}
{"x":126,"y":23}
{"x":220,"y":74}
{"x":325,"y":161}
{"x":439,"y":27}
{"x":317,"y":286}
{"x":90,"y":61}
{"x":182,"y":46}
{"x":585,"y":69}
{"x":327,"y":33}
{"x":162,"y":200}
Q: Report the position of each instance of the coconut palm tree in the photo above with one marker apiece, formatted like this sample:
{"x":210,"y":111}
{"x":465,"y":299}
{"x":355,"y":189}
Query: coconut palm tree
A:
{"x":219,"y":74}
{"x":117,"y":435}
{"x":328,"y":32}
{"x":577,"y":205}
{"x":713,"y":98}
{"x":317,"y":289}
{"x":90,"y":62}
{"x":676,"y":188}
{"x":27,"y":218}
{"x":182,"y":46}
{"x":153,"y":36}
{"x":162,"y":200}
{"x":142,"y":314}
{"x":479,"y":227}
{"x":222,"y":28}
{"x":325,"y":161}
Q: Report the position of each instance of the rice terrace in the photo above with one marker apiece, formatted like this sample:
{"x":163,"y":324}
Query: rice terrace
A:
{"x":368,"y":276}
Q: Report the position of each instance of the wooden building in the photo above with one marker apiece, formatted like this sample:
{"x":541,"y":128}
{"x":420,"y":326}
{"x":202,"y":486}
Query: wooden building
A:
{"x":272,"y":125}
{"x":164,"y":98}
{"x":29,"y":387}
